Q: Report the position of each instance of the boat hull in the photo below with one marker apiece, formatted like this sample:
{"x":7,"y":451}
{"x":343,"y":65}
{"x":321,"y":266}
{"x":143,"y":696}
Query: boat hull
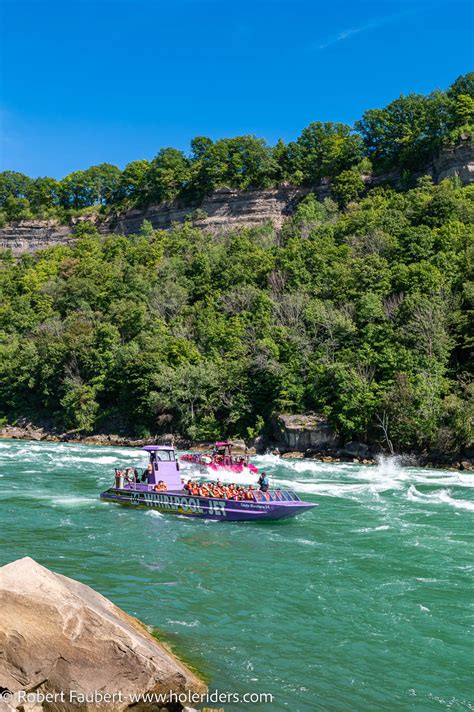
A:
{"x":206,"y":507}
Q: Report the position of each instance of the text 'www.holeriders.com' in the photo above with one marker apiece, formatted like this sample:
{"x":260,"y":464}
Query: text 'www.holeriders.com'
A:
{"x":98,"y":697}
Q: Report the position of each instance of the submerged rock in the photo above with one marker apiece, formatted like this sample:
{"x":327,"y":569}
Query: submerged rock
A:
{"x":60,"y":636}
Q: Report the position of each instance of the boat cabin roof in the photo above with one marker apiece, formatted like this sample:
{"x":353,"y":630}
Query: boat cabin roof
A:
{"x":154,"y":448}
{"x":223,"y":444}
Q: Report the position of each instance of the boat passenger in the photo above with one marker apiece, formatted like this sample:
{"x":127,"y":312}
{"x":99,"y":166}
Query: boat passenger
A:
{"x":263,"y":482}
{"x":161,"y":487}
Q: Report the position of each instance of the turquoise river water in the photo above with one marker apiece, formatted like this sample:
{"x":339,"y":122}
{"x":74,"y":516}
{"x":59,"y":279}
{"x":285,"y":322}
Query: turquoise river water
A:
{"x":362,"y":604}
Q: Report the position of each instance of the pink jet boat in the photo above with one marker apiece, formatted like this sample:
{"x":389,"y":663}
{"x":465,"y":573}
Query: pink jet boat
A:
{"x":221,"y":458}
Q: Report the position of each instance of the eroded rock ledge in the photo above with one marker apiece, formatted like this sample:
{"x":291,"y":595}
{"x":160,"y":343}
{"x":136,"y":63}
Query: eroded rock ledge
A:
{"x":225,"y":209}
{"x":59,"y":635}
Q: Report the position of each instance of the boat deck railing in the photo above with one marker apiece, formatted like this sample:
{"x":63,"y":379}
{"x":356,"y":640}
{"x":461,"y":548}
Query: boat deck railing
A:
{"x":275,"y":495}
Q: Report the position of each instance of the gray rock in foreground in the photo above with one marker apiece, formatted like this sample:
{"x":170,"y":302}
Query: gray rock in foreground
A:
{"x":57,"y":634}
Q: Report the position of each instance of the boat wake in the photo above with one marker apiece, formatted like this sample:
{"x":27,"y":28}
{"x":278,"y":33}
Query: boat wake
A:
{"x":311,"y":478}
{"x":355,"y":482}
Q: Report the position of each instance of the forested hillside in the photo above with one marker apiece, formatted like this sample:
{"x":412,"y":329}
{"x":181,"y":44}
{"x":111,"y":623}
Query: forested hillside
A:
{"x":359,"y":309}
{"x":403,"y":137}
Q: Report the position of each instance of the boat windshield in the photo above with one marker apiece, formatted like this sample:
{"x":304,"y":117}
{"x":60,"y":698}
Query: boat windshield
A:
{"x":276,"y":496}
{"x":163,"y":455}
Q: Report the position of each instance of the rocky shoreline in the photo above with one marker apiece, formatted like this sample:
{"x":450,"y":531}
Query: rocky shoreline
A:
{"x":294,"y":437}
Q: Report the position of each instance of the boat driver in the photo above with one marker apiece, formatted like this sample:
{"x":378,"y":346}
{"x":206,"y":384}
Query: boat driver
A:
{"x":263,"y":482}
{"x":147,"y":473}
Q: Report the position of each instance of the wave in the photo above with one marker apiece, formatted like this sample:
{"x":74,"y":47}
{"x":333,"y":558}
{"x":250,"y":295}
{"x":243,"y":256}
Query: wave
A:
{"x":52,"y":499}
{"x":101,"y":460}
{"x":442,"y":496}
{"x":72,"y":500}
{"x":367,"y":530}
{"x":188,"y":624}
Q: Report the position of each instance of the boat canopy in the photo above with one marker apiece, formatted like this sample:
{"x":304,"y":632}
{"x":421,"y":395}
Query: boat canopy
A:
{"x":163,"y":466}
{"x":154,"y":448}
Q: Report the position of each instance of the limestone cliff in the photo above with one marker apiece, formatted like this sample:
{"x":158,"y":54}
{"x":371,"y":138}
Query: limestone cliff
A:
{"x":224,"y":209}
{"x":32,"y":235}
{"x":456,"y":161}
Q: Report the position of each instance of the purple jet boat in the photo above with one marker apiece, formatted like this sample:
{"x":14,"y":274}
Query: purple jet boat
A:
{"x":160,"y":488}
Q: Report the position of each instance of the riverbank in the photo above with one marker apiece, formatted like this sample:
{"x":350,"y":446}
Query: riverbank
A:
{"x":354,"y":452}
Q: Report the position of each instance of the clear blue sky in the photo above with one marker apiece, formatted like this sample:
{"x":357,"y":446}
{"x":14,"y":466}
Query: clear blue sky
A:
{"x":92,"y":81}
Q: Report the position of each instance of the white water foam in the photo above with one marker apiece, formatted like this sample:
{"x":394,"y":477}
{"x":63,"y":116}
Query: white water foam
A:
{"x":72,"y":500}
{"x":442,"y":496}
{"x":188,"y":624}
{"x":368,"y":530}
{"x":54,"y":500}
{"x":76,"y":459}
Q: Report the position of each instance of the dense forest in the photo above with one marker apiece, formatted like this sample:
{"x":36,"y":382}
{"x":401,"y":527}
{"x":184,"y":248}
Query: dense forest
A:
{"x":404,"y":136}
{"x":360,"y":309}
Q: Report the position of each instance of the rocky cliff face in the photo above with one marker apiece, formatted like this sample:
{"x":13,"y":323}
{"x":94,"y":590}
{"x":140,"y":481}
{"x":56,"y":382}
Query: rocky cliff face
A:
{"x":299,"y":433}
{"x":456,"y":161}
{"x":32,"y":235}
{"x":225,"y":209}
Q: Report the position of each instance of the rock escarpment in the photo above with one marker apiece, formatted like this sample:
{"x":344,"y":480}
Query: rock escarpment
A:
{"x":31,"y":235}
{"x":59,"y":635}
{"x":225,"y":209}
{"x":299,"y":433}
{"x":456,"y":161}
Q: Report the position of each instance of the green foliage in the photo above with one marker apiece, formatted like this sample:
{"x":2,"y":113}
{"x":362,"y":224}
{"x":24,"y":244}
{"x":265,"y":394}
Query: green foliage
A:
{"x":363,"y":314}
{"x":347,"y":186}
{"x":410,"y":130}
{"x":79,"y":406}
{"x":324,"y":150}
{"x":402,"y":137}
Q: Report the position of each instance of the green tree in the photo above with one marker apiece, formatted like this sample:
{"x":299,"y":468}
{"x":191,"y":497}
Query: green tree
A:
{"x":323,"y":150}
{"x":79,"y":405}
{"x":168,"y":174}
{"x":347,"y":186}
{"x":134,"y":182}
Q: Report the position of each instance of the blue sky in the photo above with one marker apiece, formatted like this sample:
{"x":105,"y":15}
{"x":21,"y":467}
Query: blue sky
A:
{"x":91,"y":81}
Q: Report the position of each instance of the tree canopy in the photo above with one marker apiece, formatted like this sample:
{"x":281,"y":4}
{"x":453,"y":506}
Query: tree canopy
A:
{"x":361,"y":309}
{"x":403,"y":136}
